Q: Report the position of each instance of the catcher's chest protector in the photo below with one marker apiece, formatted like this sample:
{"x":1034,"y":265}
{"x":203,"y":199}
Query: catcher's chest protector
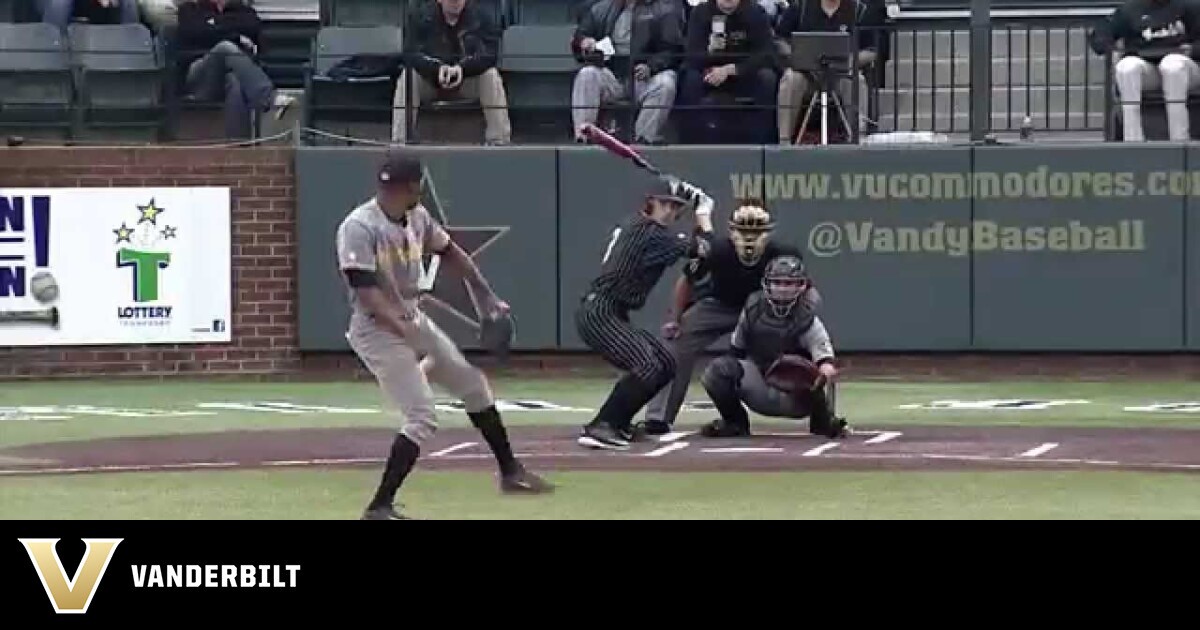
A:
{"x":768,"y":337}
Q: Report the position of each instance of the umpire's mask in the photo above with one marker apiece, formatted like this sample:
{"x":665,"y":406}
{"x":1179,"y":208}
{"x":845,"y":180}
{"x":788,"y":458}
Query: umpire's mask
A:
{"x":784,"y":282}
{"x":750,"y":228}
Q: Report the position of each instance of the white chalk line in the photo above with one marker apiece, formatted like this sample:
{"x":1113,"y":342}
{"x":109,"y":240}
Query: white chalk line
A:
{"x":450,"y":449}
{"x":742,"y":449}
{"x":1040,"y":450}
{"x":885,"y":436}
{"x":663,"y":450}
{"x":675,"y":435}
{"x":820,"y":450}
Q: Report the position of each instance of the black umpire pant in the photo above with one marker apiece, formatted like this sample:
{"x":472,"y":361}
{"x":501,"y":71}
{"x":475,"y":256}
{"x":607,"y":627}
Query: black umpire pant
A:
{"x":702,"y":323}
{"x":605,"y":327}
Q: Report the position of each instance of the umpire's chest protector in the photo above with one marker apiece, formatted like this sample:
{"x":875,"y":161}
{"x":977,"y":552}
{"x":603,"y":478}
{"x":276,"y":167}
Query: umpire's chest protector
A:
{"x":769,"y":336}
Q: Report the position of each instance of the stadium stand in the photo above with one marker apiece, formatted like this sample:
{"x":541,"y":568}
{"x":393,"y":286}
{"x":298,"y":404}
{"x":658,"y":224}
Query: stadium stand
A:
{"x":538,"y":71}
{"x":119,"y":80}
{"x":36,"y":87}
{"x":355,"y":107}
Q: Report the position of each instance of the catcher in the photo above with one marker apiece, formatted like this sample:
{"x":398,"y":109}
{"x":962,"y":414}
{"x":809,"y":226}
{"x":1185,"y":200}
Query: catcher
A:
{"x":781,"y":361}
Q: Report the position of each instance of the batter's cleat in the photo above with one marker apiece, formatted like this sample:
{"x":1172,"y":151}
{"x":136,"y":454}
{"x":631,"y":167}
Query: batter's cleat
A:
{"x":383,"y":514}
{"x":636,"y":433}
{"x":524,"y":482}
{"x":719,"y":428}
{"x":655,"y":427}
{"x":600,"y":435}
{"x":839,"y":430}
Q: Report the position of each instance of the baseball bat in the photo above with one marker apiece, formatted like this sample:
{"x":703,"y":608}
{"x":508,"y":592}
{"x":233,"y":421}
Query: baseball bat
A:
{"x":598,"y":136}
{"x":40,"y":316}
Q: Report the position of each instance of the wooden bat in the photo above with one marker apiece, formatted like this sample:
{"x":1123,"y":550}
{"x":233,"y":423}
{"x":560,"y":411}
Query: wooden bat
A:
{"x":598,"y":136}
{"x":41,"y":316}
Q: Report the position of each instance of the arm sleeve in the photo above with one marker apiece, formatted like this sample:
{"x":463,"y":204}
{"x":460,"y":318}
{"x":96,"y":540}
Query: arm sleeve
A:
{"x":737,"y":342}
{"x":816,"y":340}
{"x":670,"y":43}
{"x":240,"y":22}
{"x":485,"y":58}
{"x":588,"y":27}
{"x":415,"y":45}
{"x":1108,"y":32}
{"x":762,"y":41}
{"x":788,"y":22}
{"x":697,"y":40}
{"x":194,"y":32}
{"x":355,"y":247}
{"x":436,"y":237}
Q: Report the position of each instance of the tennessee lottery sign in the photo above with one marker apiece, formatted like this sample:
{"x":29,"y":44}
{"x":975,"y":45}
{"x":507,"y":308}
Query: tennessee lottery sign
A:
{"x":114,"y":266}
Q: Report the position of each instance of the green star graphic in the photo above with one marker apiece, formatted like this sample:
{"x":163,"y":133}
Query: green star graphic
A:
{"x":150,"y":213}
{"x":123,"y":233}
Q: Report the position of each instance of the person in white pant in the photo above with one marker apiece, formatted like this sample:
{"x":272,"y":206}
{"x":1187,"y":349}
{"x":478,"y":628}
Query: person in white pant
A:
{"x":1158,"y":38}
{"x":646,"y":38}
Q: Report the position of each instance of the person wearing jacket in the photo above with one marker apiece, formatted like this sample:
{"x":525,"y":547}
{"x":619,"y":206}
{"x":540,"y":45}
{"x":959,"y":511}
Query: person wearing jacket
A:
{"x":1158,"y":37}
{"x":217,"y":40}
{"x":647,"y":36}
{"x":730,"y":50}
{"x":452,"y":48}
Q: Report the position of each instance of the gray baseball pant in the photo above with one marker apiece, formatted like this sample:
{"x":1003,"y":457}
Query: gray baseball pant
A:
{"x":724,"y":375}
{"x":702,"y":324}
{"x":397,"y":365}
{"x":595,"y":86}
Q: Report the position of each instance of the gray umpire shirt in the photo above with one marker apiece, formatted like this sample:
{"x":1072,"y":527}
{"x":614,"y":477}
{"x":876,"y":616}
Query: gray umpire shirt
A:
{"x":369,"y":241}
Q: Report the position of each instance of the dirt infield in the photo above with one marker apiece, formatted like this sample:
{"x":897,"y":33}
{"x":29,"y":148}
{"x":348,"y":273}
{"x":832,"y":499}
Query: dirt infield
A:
{"x":554,"y":448}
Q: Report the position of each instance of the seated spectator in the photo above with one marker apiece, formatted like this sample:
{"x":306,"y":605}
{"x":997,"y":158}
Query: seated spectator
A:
{"x":796,"y":87}
{"x":160,"y":14}
{"x":1158,"y":38}
{"x":60,"y":12}
{"x":452,"y":48}
{"x":218,"y":41}
{"x":647,"y":36}
{"x":730,"y":55}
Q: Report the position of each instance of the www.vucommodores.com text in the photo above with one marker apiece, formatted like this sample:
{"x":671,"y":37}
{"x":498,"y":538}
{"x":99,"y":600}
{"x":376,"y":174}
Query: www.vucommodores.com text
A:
{"x":1040,"y":183}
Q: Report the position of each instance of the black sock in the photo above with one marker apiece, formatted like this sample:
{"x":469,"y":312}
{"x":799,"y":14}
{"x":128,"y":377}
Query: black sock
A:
{"x":494,"y":433}
{"x":401,"y":460}
{"x":628,"y":396}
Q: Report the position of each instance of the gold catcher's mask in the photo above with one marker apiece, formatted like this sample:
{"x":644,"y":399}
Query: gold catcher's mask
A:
{"x":750,"y":228}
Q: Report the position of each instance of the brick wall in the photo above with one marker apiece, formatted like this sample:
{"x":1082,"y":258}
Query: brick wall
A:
{"x":264,"y":270}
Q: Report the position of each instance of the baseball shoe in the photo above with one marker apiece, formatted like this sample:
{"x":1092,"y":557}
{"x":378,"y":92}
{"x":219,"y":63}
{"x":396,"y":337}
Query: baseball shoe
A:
{"x":383,"y":514}
{"x":839,"y":430}
{"x":636,"y":433}
{"x":524,"y":482}
{"x":600,"y":435}
{"x":719,"y":428}
{"x":655,"y":427}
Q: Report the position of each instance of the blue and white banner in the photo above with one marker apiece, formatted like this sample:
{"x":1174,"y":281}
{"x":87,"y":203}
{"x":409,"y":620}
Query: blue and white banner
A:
{"x":91,"y":266}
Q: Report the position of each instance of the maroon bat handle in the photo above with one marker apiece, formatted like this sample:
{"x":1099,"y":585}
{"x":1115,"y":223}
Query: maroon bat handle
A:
{"x":604,"y":139}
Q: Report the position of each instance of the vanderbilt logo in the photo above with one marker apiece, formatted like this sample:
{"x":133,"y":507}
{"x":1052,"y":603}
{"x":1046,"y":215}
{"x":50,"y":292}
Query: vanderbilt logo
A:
{"x":70,"y":595}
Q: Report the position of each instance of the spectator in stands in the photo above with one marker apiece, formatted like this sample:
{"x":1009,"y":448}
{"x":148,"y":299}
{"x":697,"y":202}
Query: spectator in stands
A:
{"x":452,"y":47}
{"x":218,"y":41}
{"x":160,"y":14}
{"x":60,"y":12}
{"x":1158,"y":38}
{"x":647,"y":36}
{"x":796,"y":87}
{"x":730,"y":55}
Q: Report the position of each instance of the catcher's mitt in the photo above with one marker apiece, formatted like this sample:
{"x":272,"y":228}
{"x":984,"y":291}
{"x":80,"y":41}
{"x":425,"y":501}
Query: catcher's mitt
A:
{"x":793,"y":373}
{"x":496,"y":333}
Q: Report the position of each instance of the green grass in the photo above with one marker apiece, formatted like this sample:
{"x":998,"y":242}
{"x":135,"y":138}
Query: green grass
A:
{"x":866,"y":404}
{"x":339,"y":495}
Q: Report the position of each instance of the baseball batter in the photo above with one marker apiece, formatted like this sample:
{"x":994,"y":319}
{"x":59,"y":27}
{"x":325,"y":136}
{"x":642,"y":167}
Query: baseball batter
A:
{"x":639,"y":252}
{"x":709,"y":297}
{"x":379,"y":250}
{"x":777,"y":327}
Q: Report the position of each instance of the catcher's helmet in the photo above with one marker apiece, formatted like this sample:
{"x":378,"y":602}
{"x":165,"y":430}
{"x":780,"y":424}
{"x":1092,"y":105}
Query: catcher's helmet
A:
{"x":749,"y":228}
{"x":784,"y":282}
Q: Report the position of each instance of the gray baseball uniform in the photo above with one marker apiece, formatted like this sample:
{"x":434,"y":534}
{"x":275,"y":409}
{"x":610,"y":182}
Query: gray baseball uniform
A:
{"x":369,"y":241}
{"x":765,"y":339}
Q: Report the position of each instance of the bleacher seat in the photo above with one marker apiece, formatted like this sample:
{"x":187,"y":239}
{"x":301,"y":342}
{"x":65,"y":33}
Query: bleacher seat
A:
{"x":365,"y":12}
{"x":119,"y":79}
{"x":36,"y":87}
{"x":549,"y":12}
{"x":358,"y":107}
{"x":538,"y":70}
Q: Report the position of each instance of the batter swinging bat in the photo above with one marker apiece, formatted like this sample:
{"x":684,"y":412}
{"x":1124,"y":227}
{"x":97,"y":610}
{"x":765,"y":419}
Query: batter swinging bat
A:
{"x":598,"y":136}
{"x":41,"y":316}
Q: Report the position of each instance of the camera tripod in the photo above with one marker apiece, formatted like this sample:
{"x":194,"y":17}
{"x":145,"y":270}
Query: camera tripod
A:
{"x":825,"y":92}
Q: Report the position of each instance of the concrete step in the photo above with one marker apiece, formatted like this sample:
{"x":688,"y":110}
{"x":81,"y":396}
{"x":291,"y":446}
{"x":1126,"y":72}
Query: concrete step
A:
{"x":1019,"y":41}
{"x":1000,"y":122}
{"x":1018,"y":71}
{"x":942,"y":102}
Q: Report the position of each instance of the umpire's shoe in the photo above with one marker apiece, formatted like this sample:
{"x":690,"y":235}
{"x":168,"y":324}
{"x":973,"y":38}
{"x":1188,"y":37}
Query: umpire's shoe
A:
{"x":719,"y":428}
{"x":387,"y":513}
{"x":524,"y":482}
{"x":601,"y":435}
{"x":654,"y":427}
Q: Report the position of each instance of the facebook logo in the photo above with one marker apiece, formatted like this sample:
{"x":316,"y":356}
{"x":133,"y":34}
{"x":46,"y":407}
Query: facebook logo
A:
{"x":22,"y":220}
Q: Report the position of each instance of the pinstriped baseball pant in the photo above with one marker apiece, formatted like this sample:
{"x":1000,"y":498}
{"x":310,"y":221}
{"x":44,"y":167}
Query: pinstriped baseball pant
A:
{"x":606,"y":329}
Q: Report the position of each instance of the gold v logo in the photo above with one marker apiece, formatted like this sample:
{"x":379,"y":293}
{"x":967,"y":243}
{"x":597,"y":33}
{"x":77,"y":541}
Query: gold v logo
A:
{"x":74,"y":595}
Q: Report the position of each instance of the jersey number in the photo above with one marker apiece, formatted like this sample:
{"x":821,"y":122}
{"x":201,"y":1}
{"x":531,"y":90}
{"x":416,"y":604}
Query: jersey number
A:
{"x":608,"y":252}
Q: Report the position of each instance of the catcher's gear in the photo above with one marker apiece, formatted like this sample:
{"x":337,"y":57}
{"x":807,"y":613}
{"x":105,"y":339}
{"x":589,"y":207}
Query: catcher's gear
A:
{"x":750,"y":228}
{"x":496,"y":332}
{"x":720,"y":428}
{"x":784,"y":283}
{"x":795,"y":374}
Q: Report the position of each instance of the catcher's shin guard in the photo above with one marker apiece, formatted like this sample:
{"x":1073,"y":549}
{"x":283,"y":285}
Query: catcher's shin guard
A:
{"x":823,"y":420}
{"x":721,"y":381}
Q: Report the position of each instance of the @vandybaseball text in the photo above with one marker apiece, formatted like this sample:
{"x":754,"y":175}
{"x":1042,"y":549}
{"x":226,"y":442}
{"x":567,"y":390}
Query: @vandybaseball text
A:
{"x":865,"y":237}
